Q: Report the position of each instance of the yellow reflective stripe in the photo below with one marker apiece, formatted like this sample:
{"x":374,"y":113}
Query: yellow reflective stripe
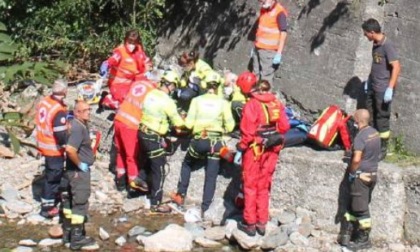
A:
{"x":267,"y":41}
{"x":48,"y":146}
{"x":349,"y":217}
{"x":67,"y":213}
{"x":269,"y":30}
{"x":365,"y":223}
{"x":385,"y":135}
{"x":77,"y":219}
{"x":60,"y":128}
{"x":129,"y":117}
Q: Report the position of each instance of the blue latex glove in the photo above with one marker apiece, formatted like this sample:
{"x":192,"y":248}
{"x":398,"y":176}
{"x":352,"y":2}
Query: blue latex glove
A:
{"x":366,"y":86}
{"x":238,"y":158}
{"x":277,"y":59}
{"x":352,"y":177}
{"x":84,"y":167}
{"x":103,"y":70}
{"x":388,"y":95}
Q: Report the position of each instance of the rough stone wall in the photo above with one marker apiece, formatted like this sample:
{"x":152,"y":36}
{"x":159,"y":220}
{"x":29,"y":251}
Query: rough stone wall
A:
{"x":314,"y":181}
{"x":326,"y":56}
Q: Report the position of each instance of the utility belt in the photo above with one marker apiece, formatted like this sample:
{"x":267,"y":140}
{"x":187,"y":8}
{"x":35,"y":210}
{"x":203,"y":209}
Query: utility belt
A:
{"x":271,"y":137}
{"x":212,"y":135}
{"x":151,"y":135}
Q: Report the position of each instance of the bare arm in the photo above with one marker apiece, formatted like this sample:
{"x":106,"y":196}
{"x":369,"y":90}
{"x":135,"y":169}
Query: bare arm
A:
{"x":72,"y":155}
{"x":355,"y":162}
{"x":396,"y":69}
{"x":283,"y":36}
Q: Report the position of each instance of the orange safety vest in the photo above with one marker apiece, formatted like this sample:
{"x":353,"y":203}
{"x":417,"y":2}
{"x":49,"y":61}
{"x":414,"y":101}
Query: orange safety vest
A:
{"x":126,"y":70}
{"x":268,"y":32}
{"x":46,"y":111}
{"x":130,"y":111}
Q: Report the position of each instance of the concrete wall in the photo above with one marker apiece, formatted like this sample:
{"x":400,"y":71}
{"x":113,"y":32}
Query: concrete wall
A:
{"x":326,"y":56}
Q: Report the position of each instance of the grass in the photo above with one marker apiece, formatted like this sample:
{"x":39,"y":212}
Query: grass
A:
{"x":399,"y":155}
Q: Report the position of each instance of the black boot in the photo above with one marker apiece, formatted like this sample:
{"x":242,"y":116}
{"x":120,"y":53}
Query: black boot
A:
{"x":345,"y":232}
{"x":78,"y":240}
{"x":362,"y":240}
{"x":66,"y":226}
{"x":121,"y":183}
{"x":384,"y":148}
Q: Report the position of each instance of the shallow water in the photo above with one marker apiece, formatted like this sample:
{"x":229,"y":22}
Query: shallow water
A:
{"x":11,"y":233}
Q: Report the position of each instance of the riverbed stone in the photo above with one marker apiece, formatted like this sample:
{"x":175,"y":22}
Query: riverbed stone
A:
{"x":49,"y":242}
{"x":19,"y":207}
{"x":9,"y":193}
{"x":55,"y":231}
{"x":131,"y":205}
{"x":215,"y":233}
{"x":27,"y":243}
{"x":120,"y":241}
{"x":298,"y":239}
{"x":195,"y":229}
{"x":207,"y":243}
{"x":23,"y":249}
{"x":229,"y":227}
{"x":173,"y":238}
{"x":135,"y":231}
{"x":274,"y":239}
{"x":35,"y":218}
{"x":93,"y":247}
{"x":245,"y":241}
{"x":286,"y":217}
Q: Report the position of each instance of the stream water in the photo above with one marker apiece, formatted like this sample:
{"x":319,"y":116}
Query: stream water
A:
{"x":11,"y":233}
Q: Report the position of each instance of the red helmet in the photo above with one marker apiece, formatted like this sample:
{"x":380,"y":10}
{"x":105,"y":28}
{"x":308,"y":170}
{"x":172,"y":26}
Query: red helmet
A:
{"x":246,"y":81}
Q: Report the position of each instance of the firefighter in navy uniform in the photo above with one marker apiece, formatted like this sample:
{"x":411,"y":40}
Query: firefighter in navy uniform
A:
{"x":362,"y":173}
{"x":209,"y":117}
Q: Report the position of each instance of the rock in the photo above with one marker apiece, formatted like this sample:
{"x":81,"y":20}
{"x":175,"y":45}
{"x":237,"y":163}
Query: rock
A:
{"x":23,"y":249}
{"x":103,"y":234}
{"x":122,"y":219}
{"x":102,"y":197}
{"x":215,"y":233}
{"x":302,"y":213}
{"x":19,"y":207}
{"x":305,"y":229}
{"x":35,"y":219}
{"x":21,"y":222}
{"x":12,"y":215}
{"x":131,"y":205}
{"x":290,"y":228}
{"x":195,"y":229}
{"x":140,"y":239}
{"x":91,"y":247}
{"x":217,"y":210}
{"x":48,"y":242}
{"x":396,"y":247}
{"x":298,"y":239}
{"x":207,"y":243}
{"x":274,"y":239}
{"x":6,"y":152}
{"x":229,"y":227}
{"x":9,"y":193}
{"x":27,"y":243}
{"x":120,"y":241}
{"x":135,"y":231}
{"x":245,"y":241}
{"x":55,"y":231}
{"x":172,"y":238}
{"x":286,"y":217}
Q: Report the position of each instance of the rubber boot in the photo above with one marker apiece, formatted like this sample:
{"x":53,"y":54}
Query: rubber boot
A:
{"x":362,"y":240}
{"x":345,"y":232}
{"x":78,"y":240}
{"x":384,"y":148}
{"x":66,"y":226}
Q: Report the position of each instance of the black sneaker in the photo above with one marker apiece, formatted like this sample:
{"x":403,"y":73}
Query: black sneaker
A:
{"x":250,"y":230}
{"x":160,"y":209}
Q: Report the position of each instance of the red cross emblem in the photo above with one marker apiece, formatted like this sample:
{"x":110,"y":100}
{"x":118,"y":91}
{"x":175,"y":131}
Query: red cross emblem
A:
{"x":42,"y":114}
{"x":138,"y":90}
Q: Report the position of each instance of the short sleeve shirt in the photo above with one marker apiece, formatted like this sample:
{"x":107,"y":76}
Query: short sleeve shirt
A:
{"x":80,"y":140}
{"x":368,"y":142}
{"x":382,"y":54}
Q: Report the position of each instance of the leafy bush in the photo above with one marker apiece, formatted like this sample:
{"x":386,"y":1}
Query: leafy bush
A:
{"x":78,"y":29}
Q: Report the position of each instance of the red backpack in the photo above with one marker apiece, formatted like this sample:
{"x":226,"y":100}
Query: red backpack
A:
{"x":325,"y":129}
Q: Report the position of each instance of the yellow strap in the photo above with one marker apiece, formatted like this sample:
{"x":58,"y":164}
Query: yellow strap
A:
{"x":77,"y":219}
{"x":256,"y":148}
{"x":349,"y":217}
{"x":365,"y":223}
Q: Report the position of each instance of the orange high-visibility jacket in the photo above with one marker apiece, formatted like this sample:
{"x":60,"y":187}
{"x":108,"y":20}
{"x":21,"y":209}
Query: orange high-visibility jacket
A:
{"x":127,"y":67}
{"x":268,"y":32}
{"x":46,"y":111}
{"x":130,"y":111}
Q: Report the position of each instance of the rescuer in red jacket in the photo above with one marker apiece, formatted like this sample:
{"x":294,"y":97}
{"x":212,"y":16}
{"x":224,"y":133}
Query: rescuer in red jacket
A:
{"x":262,"y":126}
{"x":127,"y":63}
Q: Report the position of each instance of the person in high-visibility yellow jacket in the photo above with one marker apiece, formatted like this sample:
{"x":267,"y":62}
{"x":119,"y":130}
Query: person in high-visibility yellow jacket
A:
{"x":158,"y":110}
{"x":232,"y":93}
{"x":209,"y":117}
{"x":192,"y":81}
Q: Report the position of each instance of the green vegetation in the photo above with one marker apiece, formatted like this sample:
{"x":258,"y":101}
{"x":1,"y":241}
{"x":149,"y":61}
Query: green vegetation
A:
{"x":400,"y":155}
{"x":42,"y":36}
